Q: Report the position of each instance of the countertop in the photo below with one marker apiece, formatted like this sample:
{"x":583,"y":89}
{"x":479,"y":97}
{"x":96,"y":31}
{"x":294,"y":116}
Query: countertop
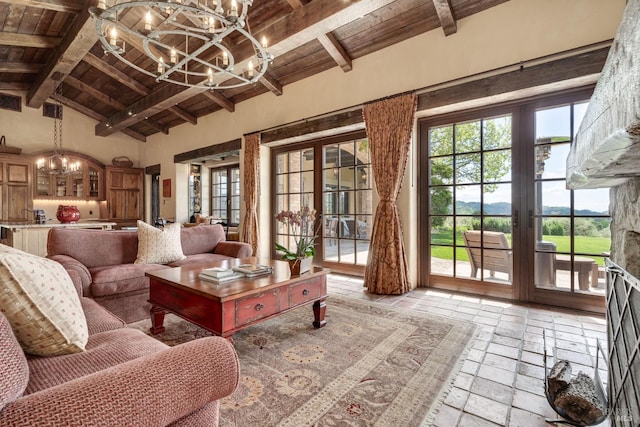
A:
{"x":51,"y":224}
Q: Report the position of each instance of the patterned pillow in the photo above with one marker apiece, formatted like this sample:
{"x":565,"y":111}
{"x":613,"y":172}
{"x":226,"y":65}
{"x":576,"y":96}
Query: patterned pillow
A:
{"x":41,"y":304}
{"x":158,"y":245}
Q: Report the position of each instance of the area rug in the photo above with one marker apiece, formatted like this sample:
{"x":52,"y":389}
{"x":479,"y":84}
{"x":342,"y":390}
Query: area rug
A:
{"x":371,"y":365}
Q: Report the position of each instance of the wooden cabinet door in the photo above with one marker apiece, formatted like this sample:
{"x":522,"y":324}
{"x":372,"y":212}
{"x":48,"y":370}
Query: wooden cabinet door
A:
{"x":124,"y":193}
{"x":16,"y":201}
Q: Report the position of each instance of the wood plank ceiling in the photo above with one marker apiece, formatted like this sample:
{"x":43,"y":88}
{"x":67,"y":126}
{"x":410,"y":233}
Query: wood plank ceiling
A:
{"x":45,"y":42}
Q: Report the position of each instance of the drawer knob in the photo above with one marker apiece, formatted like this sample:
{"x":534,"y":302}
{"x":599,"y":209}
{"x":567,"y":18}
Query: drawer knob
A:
{"x":305,"y":292}
{"x":259,"y":306}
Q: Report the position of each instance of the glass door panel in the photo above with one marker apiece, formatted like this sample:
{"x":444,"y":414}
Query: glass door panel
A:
{"x":572,"y":235}
{"x":470,"y":200}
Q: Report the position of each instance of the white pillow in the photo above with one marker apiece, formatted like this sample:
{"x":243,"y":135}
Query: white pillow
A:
{"x":159,"y":245}
{"x":38,"y":298}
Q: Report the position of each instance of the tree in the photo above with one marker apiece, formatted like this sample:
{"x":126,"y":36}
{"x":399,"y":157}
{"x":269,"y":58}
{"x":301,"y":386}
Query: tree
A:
{"x":480,"y":151}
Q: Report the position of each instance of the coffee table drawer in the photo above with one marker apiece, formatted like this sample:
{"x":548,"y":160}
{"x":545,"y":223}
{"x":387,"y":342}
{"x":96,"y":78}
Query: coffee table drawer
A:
{"x":257,"y":306}
{"x":303,"y":292}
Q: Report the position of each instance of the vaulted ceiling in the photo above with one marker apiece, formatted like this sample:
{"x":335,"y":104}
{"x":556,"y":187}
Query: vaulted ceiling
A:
{"x":46,"y":42}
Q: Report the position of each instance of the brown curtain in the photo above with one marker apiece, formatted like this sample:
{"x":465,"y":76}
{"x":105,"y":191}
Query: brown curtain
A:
{"x":389,"y":123}
{"x":249,"y":230}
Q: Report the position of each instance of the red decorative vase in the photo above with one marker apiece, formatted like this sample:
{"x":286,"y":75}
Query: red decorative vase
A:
{"x":68,"y":214}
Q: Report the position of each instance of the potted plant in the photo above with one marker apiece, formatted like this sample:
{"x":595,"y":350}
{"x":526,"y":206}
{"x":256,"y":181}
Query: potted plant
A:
{"x":301,"y":227}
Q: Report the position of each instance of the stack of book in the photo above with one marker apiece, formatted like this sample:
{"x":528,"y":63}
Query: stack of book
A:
{"x":252,"y":270}
{"x":220,"y":274}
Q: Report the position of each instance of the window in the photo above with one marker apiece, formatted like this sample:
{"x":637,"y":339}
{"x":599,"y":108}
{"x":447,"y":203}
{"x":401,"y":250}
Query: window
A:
{"x":225,"y":194}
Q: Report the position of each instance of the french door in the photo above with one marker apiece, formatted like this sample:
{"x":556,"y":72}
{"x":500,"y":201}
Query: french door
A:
{"x":497,"y":218}
{"x":333,"y":176}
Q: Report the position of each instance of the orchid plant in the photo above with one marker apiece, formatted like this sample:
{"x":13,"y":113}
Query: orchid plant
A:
{"x":301,"y":227}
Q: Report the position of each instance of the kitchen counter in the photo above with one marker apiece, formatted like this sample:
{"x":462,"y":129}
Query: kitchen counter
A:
{"x":32,"y":238}
{"x":105,"y":225}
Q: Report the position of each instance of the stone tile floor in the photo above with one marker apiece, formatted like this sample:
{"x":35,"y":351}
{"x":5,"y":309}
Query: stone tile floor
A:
{"x":501,"y":380}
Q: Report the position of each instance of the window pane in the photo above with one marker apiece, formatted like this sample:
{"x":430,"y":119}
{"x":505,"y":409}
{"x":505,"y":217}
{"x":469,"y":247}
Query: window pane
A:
{"x":467,"y":137}
{"x":496,"y":133}
{"x":441,"y":170}
{"x":553,"y":125}
{"x":441,"y":200}
{"x":441,"y":141}
{"x":552,"y":198}
{"x":496,"y":166}
{"x":467,"y":168}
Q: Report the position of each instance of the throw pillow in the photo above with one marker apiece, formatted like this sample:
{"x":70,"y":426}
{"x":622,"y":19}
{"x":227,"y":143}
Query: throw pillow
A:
{"x":159,"y":245}
{"x":41,"y":304}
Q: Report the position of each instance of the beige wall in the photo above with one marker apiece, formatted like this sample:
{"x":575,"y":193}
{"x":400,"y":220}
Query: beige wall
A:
{"x":516,"y":31}
{"x":519,"y":30}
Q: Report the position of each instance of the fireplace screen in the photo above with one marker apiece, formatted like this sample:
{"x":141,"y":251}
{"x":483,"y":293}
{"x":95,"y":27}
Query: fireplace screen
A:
{"x":623,"y":332}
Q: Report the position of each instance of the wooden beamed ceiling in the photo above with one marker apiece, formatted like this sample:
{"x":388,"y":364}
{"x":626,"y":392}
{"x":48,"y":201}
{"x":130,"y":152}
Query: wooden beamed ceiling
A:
{"x":50,"y":49}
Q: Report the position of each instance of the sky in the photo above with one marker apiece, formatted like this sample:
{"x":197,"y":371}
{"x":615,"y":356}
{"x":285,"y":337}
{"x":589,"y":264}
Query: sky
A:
{"x":553,"y":123}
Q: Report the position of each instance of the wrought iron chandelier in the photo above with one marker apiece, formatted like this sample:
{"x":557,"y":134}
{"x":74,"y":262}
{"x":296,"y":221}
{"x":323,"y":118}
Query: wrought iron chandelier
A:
{"x":57,"y":163}
{"x":193,"y":43}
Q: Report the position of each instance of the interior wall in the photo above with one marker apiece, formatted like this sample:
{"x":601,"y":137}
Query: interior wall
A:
{"x":516,"y":31}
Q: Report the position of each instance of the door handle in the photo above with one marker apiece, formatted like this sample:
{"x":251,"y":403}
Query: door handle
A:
{"x":516,"y":218}
{"x":530,"y":218}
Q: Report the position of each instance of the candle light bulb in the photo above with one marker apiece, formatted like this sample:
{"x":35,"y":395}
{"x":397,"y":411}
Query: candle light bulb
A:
{"x":161,"y":66}
{"x":264,"y":42}
{"x":173,"y":58}
{"x":113,"y":36}
{"x":250,"y":69}
{"x":234,"y":8}
{"x":210,"y":75}
{"x":225,"y":58}
{"x":147,"y":21}
{"x":212,"y":24}
{"x":102,"y":4}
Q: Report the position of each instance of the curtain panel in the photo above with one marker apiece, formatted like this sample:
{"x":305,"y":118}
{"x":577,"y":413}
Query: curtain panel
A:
{"x":389,"y":123}
{"x":251,"y":174}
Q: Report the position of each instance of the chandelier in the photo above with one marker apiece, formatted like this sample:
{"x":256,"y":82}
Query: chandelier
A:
{"x":193,"y":43}
{"x":58,"y":163}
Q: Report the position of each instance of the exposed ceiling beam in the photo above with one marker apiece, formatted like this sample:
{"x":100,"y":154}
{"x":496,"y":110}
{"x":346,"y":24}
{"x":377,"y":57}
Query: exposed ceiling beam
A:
{"x":134,"y":85}
{"x":70,"y":6}
{"x":14,"y":85}
{"x":90,"y":90}
{"x":445,"y":14}
{"x":19,"y":67}
{"x":160,"y":100}
{"x":96,"y":116}
{"x":75,"y":44}
{"x":271,"y":83}
{"x":330,"y":43}
{"x":299,"y":27}
{"x":337,"y":52}
{"x":28,"y":40}
{"x":220,"y":100}
{"x":157,"y":126}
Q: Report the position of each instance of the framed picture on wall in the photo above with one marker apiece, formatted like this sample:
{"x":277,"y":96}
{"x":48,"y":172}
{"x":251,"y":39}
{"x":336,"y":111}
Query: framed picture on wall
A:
{"x":166,"y":187}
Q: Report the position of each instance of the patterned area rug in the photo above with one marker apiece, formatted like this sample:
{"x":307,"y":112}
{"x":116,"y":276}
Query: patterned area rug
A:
{"x":370,"y":365}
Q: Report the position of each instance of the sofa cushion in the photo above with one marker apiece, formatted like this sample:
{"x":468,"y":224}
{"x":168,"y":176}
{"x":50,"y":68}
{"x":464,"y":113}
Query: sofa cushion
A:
{"x":113,"y":246}
{"x":158,"y":245}
{"x":14,"y":371}
{"x":41,"y":303}
{"x":117,"y":279}
{"x":103,"y":351}
{"x":201,"y":239}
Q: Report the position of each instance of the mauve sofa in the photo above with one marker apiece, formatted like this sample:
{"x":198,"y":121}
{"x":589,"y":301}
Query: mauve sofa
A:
{"x":123,"y":378}
{"x":104,"y":261}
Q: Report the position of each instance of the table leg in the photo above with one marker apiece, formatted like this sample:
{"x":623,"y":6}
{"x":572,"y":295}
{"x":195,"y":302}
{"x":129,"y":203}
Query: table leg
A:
{"x":319,"y":308}
{"x":583,"y":277}
{"x":157,"y":319}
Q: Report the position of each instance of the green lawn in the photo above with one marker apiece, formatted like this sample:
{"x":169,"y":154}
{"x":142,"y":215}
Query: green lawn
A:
{"x":587,"y":245}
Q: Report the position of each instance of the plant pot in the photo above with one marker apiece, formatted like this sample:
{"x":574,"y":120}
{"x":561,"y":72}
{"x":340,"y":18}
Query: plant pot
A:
{"x":300,"y":266}
{"x":68,"y":214}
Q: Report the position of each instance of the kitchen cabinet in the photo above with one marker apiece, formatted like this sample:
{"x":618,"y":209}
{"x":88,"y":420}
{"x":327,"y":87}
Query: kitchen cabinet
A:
{"x":85,"y":183}
{"x":124,"y":195}
{"x":16,"y":203}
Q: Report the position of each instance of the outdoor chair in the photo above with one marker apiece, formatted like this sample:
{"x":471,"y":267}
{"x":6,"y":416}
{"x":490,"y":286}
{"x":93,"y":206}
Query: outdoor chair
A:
{"x":488,"y":250}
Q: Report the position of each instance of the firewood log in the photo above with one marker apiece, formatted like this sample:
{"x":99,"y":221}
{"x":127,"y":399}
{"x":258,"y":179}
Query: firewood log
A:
{"x":559,"y":377}
{"x":579,"y":400}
